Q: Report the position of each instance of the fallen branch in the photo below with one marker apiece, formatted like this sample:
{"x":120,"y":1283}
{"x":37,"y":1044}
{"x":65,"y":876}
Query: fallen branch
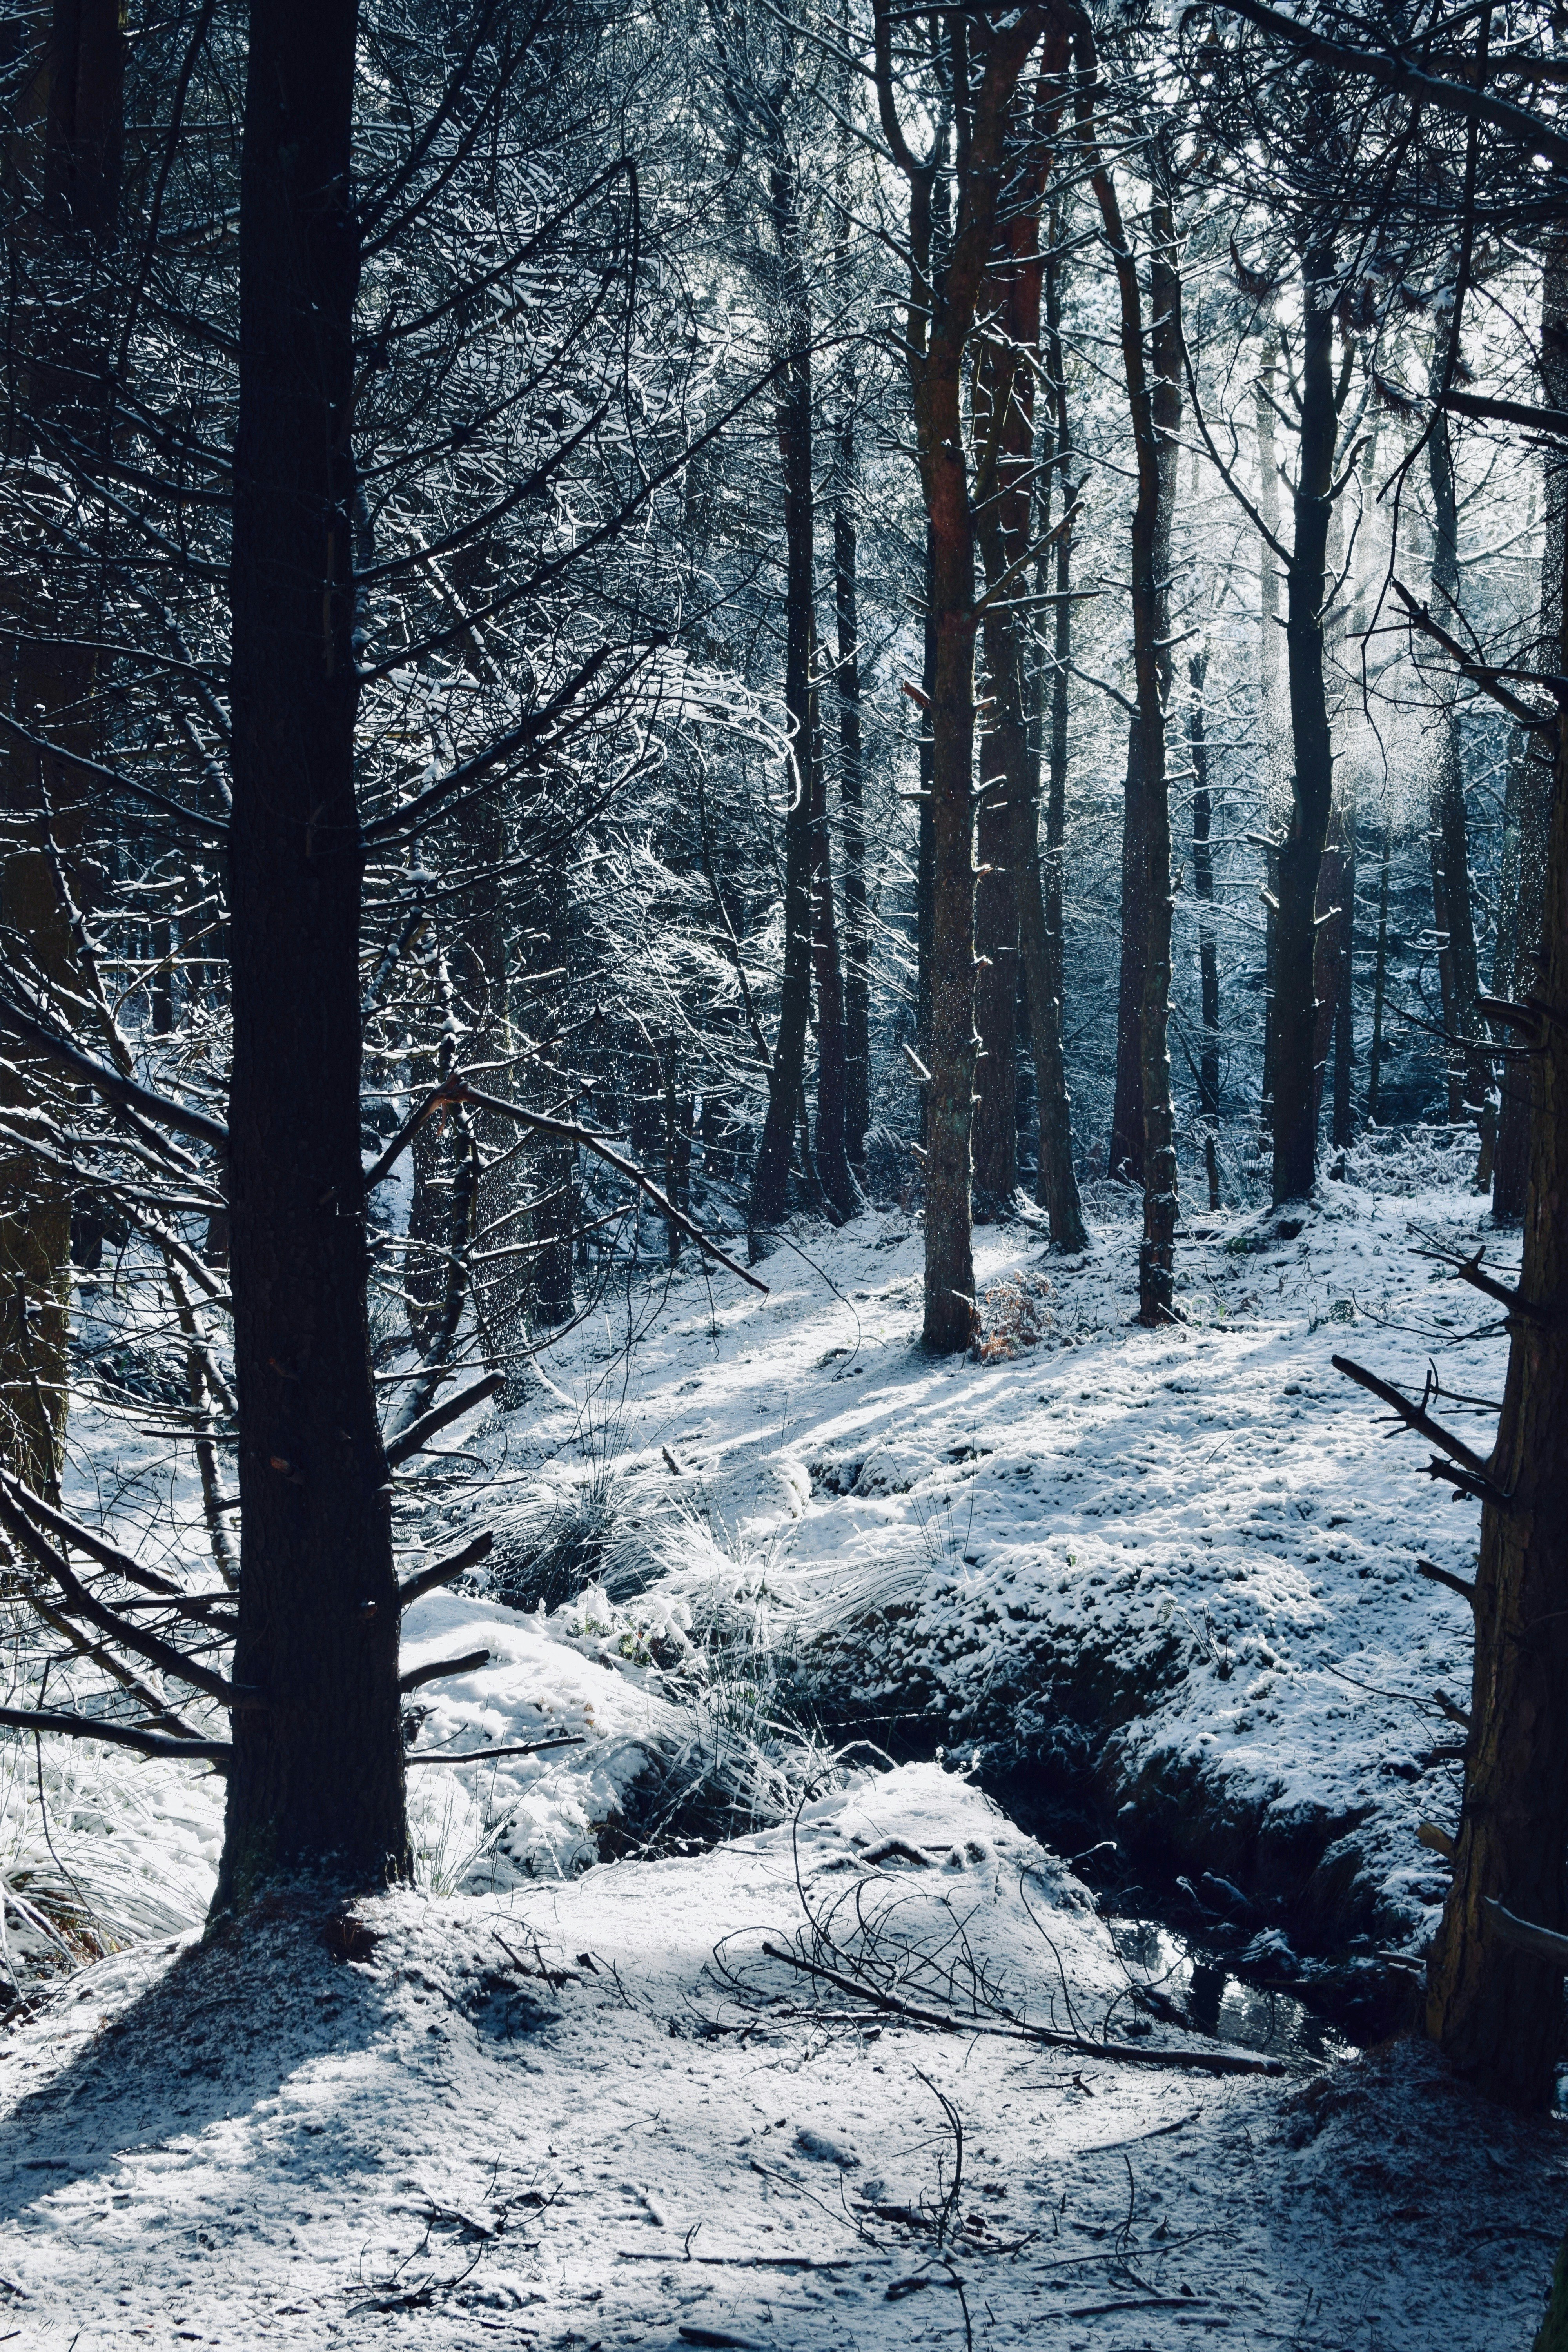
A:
{"x":117,"y":1735}
{"x":438,"y":1668}
{"x":1212,"y":2062}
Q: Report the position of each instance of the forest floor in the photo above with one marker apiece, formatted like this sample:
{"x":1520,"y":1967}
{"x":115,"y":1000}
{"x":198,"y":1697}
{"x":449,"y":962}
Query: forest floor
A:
{"x":1157,"y":1586}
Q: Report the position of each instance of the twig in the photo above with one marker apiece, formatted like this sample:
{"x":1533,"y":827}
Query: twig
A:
{"x":1212,"y":2062}
{"x":491,"y":1755}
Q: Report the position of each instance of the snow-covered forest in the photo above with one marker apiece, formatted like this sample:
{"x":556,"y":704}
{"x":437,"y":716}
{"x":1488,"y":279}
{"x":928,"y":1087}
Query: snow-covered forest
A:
{"x":783,"y":1174}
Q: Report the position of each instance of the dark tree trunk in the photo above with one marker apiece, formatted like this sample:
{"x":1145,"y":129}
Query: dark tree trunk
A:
{"x":1010,"y":918}
{"x":317,"y":1776}
{"x":1379,"y":985}
{"x":786,"y":1077}
{"x":1056,"y":1185}
{"x":851,"y":790}
{"x":1125,"y":1157}
{"x":831,"y":1156}
{"x":1469,"y":1066}
{"x":1154,"y":406}
{"x":61,"y":228}
{"x":1209,"y":952}
{"x":1267,"y":695}
{"x":937,"y":344}
{"x":1294,"y":1003}
{"x":1342,"y":1128}
{"x":1524,"y":975}
{"x":1496,"y":2011}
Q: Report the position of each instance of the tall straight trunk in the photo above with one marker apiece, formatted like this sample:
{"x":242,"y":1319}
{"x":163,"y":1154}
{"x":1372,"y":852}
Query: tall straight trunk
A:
{"x":1153,"y":406}
{"x":317,"y":1775}
{"x":940,"y":330}
{"x":1469,"y":1066}
{"x":1523,"y":978}
{"x":787,"y":1079}
{"x":1342,"y":1116}
{"x":1267,"y":692}
{"x":831,"y":1156}
{"x":1496,"y":2011}
{"x":1379,"y":983}
{"x":76,"y":95}
{"x":851,"y":802}
{"x":1294,"y":1005}
{"x":1010,"y":919}
{"x":1057,"y":1184}
{"x":1208,"y":951}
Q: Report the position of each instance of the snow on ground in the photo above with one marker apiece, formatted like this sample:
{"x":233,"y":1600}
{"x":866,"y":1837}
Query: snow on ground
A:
{"x":1179,"y":1565}
{"x":595,"y":2113}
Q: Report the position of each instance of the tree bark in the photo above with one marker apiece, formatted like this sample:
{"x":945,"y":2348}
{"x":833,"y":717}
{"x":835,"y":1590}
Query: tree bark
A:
{"x":1469,"y":1067}
{"x":1209,"y":952}
{"x":937,"y":342}
{"x":1294,"y":1003}
{"x":1056,"y":1185}
{"x":851,"y":800}
{"x":1153,"y":406}
{"x":1010,"y":918}
{"x":77,"y":95}
{"x":1533,"y":772}
{"x":831,"y":1155}
{"x":769,"y":1176}
{"x":317,"y":1774}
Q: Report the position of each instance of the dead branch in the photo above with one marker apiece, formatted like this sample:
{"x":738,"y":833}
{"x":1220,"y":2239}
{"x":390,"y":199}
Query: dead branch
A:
{"x":1544,"y":1942}
{"x":413,"y":1436}
{"x":416,"y":1676}
{"x":427,"y":1579}
{"x":1414,"y":1417}
{"x":82,"y":1603}
{"x":117,"y":1735}
{"x":492,"y":1755}
{"x":1212,"y":2062}
{"x":1435,"y":1575}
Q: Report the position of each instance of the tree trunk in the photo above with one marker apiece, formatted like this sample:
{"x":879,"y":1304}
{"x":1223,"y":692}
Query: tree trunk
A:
{"x":937,"y":343}
{"x":1525,"y":976}
{"x":1379,"y":984}
{"x":1344,"y":1115}
{"x":1495,"y":2010}
{"x":77,"y":92}
{"x":317,"y":1775}
{"x":1208,"y":953}
{"x":770,"y":1177}
{"x":1153,"y":405}
{"x":1267,"y":696}
{"x":1010,"y":920}
{"x":1044,"y":966}
{"x":851,"y":784}
{"x":831,"y":1156}
{"x":1294,"y":1003}
{"x":1469,"y":1066}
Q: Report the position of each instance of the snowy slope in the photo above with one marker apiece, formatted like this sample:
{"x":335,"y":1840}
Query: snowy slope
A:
{"x":557,"y":2118}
